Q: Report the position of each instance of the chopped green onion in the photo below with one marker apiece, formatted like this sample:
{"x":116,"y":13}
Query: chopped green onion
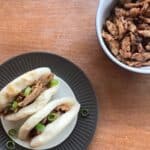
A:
{"x":10,"y":145}
{"x":84,"y":112}
{"x":27,"y":91}
{"x":54,"y":82}
{"x":40,"y":127}
{"x":52,"y":117}
{"x":14,"y":105}
{"x":12,"y":132}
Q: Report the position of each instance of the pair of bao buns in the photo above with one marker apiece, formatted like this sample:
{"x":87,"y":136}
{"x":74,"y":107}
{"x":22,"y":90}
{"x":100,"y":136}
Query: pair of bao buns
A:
{"x":28,"y":96}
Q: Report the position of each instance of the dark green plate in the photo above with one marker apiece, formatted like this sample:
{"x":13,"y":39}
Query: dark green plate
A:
{"x":77,"y":80}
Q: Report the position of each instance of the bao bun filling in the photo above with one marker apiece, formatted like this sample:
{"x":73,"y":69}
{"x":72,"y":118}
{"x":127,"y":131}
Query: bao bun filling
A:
{"x":30,"y":93}
{"x":55,"y":114}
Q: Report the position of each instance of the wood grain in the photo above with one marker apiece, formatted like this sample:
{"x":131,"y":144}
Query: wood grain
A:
{"x":67,"y":28}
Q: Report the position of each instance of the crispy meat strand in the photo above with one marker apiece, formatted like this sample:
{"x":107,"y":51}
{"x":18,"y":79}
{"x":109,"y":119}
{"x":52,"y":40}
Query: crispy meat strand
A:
{"x":144,"y":8}
{"x":132,"y":38}
{"x":146,"y":20}
{"x":144,"y":33}
{"x":140,"y":48}
{"x":132,"y":5}
{"x":120,"y":12}
{"x":141,"y":56}
{"x":125,"y":50}
{"x":131,"y":26}
{"x":133,"y":42}
{"x":133,"y":12}
{"x":107,"y":36}
{"x":114,"y":46}
{"x":126,"y":44}
{"x":111,"y":28}
{"x":147,"y":13}
{"x":133,"y":63}
{"x":138,"y":4}
{"x":147,"y":47}
{"x":144,"y":26}
{"x":124,"y":54}
{"x":137,"y":63}
{"x":122,"y":25}
{"x":112,"y":43}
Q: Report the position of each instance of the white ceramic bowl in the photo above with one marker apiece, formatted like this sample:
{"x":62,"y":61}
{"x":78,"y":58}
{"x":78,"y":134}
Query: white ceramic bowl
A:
{"x":105,"y":6}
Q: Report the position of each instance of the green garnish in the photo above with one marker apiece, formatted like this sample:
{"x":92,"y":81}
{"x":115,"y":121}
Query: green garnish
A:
{"x":14,"y":105}
{"x":10,"y":145}
{"x":40,"y":127}
{"x":12,"y":132}
{"x":27,"y":91}
{"x":52,"y":117}
{"x":54,"y":82}
{"x":84,"y":112}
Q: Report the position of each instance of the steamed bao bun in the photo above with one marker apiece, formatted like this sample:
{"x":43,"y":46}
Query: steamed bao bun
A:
{"x":52,"y":129}
{"x":12,"y":89}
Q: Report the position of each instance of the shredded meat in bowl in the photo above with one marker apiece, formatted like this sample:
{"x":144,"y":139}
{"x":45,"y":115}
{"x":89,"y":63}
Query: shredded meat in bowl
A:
{"x":127,"y":32}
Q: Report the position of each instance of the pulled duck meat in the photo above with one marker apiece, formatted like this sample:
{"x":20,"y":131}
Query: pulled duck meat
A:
{"x":28,"y":95}
{"x":56,"y":113}
{"x":38,"y":88}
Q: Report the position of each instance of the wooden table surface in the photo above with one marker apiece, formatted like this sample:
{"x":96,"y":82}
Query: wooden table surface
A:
{"x":67,"y":28}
